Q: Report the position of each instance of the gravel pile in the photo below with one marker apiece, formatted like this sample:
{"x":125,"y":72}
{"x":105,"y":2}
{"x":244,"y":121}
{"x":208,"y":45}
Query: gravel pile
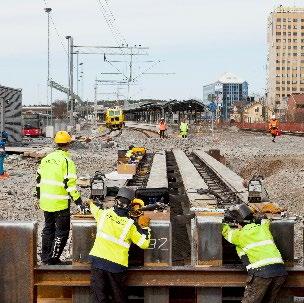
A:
{"x":281,"y":163}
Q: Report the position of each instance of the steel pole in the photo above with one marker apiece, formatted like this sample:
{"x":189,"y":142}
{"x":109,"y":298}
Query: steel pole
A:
{"x":71,"y":82}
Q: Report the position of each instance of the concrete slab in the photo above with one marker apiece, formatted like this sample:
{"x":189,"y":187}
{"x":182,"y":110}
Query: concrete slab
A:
{"x":192,"y":181}
{"x":158,"y":173}
{"x":231,"y":179}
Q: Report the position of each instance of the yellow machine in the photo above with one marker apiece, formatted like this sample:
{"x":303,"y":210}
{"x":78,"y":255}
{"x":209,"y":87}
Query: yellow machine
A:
{"x":114,"y":118}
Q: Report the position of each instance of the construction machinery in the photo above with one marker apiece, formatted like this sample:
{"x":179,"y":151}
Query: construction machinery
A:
{"x":114,"y":118}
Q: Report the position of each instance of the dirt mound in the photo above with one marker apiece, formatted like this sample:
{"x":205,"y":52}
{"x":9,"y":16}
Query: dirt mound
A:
{"x":264,"y":167}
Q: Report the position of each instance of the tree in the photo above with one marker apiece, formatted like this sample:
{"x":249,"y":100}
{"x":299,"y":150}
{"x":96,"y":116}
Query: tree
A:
{"x":60,"y":109}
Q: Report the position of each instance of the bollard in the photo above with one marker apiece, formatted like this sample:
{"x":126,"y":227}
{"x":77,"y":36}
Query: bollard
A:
{"x":18,"y":257}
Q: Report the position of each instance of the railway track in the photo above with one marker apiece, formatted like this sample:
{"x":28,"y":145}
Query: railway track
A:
{"x":186,"y":262}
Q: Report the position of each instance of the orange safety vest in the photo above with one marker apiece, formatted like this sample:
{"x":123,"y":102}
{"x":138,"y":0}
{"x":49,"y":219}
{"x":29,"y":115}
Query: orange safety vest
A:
{"x":162,"y":126}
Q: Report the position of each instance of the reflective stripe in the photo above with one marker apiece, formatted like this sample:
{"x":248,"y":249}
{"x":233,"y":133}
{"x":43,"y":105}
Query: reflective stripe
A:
{"x":113,"y":239}
{"x":257,"y":244}
{"x":265,"y":262}
{"x":230,"y":232}
{"x":51,"y":182}
{"x":241,"y":253}
{"x":70,"y":176}
{"x":69,"y":189}
{"x":126,"y":230}
{"x":141,"y":240}
{"x":54,"y":197}
{"x":119,"y":241}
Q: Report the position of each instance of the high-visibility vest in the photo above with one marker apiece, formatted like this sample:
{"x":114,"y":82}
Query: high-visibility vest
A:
{"x":273,"y":124}
{"x":256,"y":241}
{"x":114,"y":236}
{"x":162,"y":126}
{"x":183,"y":128}
{"x":57,"y":181}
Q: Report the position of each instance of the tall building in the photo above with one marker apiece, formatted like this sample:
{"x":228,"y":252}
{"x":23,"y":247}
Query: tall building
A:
{"x":285,"y":60}
{"x":225,"y":91}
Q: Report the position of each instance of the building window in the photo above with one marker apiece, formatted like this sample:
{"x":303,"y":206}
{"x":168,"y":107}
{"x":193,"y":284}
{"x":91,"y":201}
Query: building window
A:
{"x":295,"y":27}
{"x":277,"y":68}
{"x":278,"y":27}
{"x":284,"y":20}
{"x":289,"y":26}
{"x":295,"y":40}
{"x":278,"y":19}
{"x":279,"y":40}
{"x":283,"y":82}
{"x":278,"y":88}
{"x":289,"y":40}
{"x":283,"y":88}
{"x":294,"y":82}
{"x":284,"y":26}
{"x":278,"y":47}
{"x":295,"y":54}
{"x":295,"y":20}
{"x":288,"y":68}
{"x":278,"y":33}
{"x":294,"y":89}
{"x":302,"y":89}
{"x":288,"y":82}
{"x":295,"y":47}
{"x":289,"y":47}
{"x":283,"y":95}
{"x":295,"y":33}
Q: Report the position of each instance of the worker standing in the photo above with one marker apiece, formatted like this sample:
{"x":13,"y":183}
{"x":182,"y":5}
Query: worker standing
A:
{"x":109,"y":255}
{"x":273,"y":127}
{"x":184,"y":129}
{"x":256,"y":248}
{"x":162,"y":128}
{"x":56,"y":186}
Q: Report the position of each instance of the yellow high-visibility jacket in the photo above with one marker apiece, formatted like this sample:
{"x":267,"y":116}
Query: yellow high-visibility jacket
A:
{"x":114,"y":236}
{"x":56,"y":181}
{"x":256,"y":241}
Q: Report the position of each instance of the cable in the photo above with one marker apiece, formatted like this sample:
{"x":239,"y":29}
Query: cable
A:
{"x":114,"y":19}
{"x":103,"y":11}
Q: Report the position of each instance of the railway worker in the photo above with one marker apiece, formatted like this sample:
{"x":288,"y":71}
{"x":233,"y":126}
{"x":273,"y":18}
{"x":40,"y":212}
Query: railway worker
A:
{"x":273,"y":127}
{"x":109,"y":255}
{"x":184,"y":128}
{"x":162,"y":127}
{"x":56,"y":186}
{"x":256,"y":248}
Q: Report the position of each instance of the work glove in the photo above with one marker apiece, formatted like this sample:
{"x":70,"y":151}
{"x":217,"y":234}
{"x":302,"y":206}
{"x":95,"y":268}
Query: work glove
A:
{"x":144,"y":221}
{"x":83,"y":209}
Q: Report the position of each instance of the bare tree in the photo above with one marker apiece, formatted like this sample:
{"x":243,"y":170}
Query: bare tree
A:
{"x":60,"y":109}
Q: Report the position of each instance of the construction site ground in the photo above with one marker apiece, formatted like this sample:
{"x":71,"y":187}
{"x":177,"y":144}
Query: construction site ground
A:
{"x":281,"y":163}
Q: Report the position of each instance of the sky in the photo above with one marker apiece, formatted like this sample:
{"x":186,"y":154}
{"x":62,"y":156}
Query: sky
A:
{"x":196,"y":41}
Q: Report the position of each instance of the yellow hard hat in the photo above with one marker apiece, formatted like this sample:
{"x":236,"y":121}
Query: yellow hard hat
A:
{"x":139,"y":202}
{"x":62,"y":137}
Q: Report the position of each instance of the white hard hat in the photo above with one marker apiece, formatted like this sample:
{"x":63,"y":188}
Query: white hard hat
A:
{"x":273,"y":117}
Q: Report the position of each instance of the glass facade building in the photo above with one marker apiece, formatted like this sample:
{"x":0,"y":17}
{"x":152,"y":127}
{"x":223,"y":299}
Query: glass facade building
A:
{"x":227,"y":90}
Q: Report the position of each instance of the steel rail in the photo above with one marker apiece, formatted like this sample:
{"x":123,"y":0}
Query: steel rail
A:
{"x":175,"y":276}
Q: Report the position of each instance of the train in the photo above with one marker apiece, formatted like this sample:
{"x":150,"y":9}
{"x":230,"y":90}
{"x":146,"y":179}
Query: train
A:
{"x":33,"y":125}
{"x":114,"y":118}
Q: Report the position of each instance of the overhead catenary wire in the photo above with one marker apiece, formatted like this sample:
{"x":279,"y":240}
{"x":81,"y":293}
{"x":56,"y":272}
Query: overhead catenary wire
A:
{"x":112,"y":28}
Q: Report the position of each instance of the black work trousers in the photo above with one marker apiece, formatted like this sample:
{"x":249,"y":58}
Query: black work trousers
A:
{"x":162,"y":134}
{"x":107,"y":287}
{"x":55,"y":235}
{"x":262,"y":290}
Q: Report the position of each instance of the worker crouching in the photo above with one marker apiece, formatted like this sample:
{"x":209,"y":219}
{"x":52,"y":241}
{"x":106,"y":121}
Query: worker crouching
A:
{"x":110,"y":253}
{"x":56,"y":186}
{"x":256,"y":248}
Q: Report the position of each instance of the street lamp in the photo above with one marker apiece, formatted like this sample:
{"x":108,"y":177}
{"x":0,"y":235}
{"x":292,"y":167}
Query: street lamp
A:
{"x":48,"y":11}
